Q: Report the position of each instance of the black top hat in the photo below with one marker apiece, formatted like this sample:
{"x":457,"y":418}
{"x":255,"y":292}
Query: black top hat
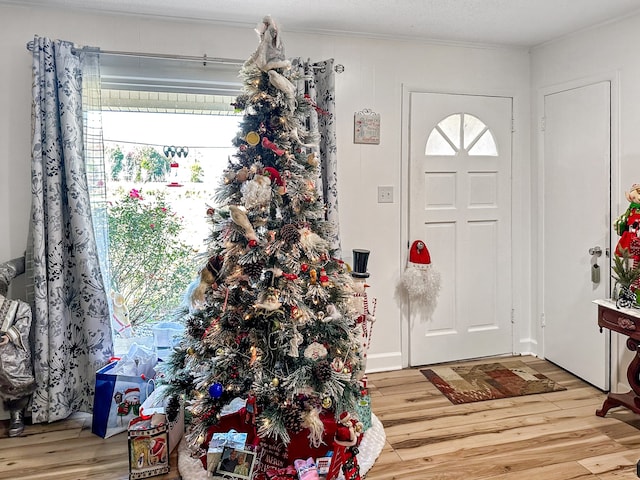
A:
{"x":360,"y":259}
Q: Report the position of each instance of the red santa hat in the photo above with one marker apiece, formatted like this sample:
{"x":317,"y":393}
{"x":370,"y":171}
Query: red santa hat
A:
{"x":131,"y":392}
{"x":419,"y":253}
{"x":420,"y":280}
{"x":157,"y":447}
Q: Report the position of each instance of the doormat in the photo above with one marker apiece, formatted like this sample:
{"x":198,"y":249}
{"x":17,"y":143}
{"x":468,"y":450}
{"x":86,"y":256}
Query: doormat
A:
{"x":490,"y":381}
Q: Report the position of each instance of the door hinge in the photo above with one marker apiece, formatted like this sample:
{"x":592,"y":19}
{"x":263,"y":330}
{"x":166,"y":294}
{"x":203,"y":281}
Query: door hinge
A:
{"x":513,"y":315}
{"x":543,"y":123}
{"x":543,"y":321}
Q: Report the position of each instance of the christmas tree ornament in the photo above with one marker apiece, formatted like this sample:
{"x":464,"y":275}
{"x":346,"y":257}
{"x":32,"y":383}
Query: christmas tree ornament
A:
{"x":276,"y":178}
{"x":239,"y":217}
{"x":270,"y":52}
{"x":252,"y":138}
{"x":242,"y":175}
{"x":313,"y":160}
{"x":315,"y":351}
{"x":285,"y":86}
{"x":268,"y":144}
{"x":324,"y":278}
{"x":332,"y":313}
{"x":256,"y":192}
{"x":322,"y":370}
{"x":294,"y":344}
{"x":270,"y":302}
{"x":337,"y":365}
{"x":420,"y":279}
{"x":216,"y":390}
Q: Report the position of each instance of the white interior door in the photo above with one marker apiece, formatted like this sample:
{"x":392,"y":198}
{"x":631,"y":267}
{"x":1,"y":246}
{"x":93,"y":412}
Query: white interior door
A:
{"x":460,"y":206}
{"x":577,"y":158}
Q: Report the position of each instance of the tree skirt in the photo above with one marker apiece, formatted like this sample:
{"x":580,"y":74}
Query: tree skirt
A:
{"x":372,"y":444}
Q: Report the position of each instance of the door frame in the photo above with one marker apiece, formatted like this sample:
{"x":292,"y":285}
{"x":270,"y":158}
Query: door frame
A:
{"x":616,"y":190}
{"x":518,"y":317}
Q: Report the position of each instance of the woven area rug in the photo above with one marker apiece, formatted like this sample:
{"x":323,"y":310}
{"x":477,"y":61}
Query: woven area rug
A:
{"x":475,"y":383}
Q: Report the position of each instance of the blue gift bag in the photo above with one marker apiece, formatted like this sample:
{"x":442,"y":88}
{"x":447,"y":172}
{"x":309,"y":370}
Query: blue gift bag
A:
{"x":117,"y":400}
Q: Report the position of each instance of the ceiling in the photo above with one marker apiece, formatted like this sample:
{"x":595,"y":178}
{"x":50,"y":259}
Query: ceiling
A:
{"x":521,"y":23}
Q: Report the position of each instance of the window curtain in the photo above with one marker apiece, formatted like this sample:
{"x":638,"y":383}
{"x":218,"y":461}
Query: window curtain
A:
{"x":71,"y":330}
{"x":316,"y":81}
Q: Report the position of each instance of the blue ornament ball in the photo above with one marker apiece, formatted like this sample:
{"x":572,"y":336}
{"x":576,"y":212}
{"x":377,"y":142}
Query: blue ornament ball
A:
{"x":215,"y":390}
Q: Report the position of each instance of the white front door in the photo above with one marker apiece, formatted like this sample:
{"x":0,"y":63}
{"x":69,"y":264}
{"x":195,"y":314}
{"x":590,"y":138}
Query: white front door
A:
{"x":577,"y":158}
{"x":460,"y":206}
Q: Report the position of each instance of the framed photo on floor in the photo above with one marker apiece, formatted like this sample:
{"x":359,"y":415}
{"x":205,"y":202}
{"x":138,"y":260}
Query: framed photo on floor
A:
{"x":237,"y":464}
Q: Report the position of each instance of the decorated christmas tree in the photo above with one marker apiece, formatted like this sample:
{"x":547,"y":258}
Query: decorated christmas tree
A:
{"x":273,"y":321}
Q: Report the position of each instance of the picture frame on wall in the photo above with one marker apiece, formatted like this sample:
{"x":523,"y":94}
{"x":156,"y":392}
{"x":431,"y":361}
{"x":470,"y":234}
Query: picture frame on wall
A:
{"x":236,"y":463}
{"x":366,"y":127}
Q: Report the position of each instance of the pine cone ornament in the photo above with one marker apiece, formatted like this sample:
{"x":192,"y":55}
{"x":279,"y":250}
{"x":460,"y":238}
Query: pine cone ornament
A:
{"x":195,"y":327}
{"x":173,"y":408}
{"x":289,"y":233}
{"x":292,"y":418}
{"x":322,"y":370}
{"x":626,"y":299}
{"x":253,"y":270}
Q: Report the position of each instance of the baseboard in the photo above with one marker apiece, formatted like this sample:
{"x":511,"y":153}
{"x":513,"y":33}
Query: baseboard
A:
{"x":384,"y":362}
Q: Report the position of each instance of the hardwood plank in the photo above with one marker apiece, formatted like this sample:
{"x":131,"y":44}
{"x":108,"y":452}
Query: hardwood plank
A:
{"x":552,"y":436}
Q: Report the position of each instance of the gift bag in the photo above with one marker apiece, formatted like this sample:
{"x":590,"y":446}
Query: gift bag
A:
{"x":155,"y":406}
{"x":117,"y":400}
{"x":148,"y":448}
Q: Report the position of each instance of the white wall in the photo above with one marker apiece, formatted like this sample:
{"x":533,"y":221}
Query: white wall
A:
{"x":376,"y":71}
{"x":606,"y":51}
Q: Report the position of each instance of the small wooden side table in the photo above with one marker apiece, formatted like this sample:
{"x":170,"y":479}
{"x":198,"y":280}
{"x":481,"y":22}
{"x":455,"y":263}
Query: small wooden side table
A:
{"x":625,"y":321}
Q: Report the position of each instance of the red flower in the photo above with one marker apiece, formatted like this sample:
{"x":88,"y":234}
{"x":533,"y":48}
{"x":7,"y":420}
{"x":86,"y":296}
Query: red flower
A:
{"x":135,"y":193}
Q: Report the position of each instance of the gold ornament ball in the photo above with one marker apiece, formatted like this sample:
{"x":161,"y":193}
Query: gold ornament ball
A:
{"x":252,"y":138}
{"x":326,"y":402}
{"x":275,"y":382}
{"x":190,"y":351}
{"x":220,"y":351}
{"x":345,"y":370}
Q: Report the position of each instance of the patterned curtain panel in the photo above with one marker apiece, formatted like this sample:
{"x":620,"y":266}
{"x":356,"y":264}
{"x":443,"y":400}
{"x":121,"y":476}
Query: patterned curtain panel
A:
{"x":317,"y":83}
{"x":72,"y":336}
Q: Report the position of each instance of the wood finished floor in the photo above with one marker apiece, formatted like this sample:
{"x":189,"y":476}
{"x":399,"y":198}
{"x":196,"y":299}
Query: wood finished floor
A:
{"x":554,"y":436}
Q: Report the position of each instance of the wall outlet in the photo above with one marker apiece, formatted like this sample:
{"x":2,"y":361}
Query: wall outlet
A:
{"x":385,"y":194}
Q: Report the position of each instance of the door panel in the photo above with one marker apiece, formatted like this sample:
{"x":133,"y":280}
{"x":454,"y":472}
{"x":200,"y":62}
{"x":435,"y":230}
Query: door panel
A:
{"x":460,"y":206}
{"x":577,"y":146}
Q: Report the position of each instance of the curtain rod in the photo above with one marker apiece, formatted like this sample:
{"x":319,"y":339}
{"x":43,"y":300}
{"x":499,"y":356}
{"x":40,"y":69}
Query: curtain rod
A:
{"x":204,"y":59}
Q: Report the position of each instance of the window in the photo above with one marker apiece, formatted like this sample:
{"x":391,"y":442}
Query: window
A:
{"x":167,"y":127}
{"x":461,"y":131}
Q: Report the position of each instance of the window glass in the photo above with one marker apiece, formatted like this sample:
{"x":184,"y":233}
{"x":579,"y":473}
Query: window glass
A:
{"x":461,"y":131}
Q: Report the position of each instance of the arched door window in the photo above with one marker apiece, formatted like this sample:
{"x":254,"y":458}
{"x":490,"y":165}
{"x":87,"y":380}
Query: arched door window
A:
{"x":461,"y":131}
